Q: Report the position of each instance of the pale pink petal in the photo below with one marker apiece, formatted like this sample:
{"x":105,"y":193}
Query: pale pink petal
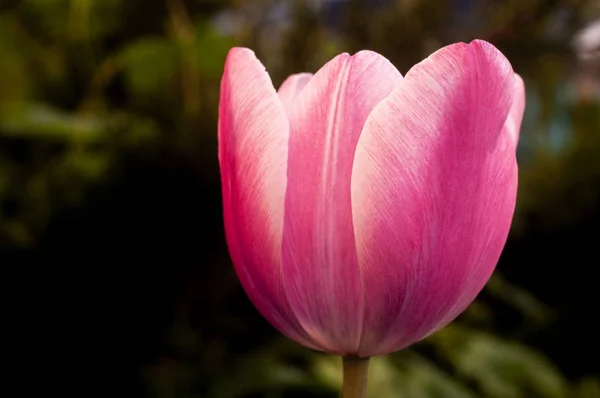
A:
{"x":510,"y":135}
{"x":253,"y":135}
{"x":321,"y":275}
{"x":515,"y":116}
{"x":433,"y":192}
{"x":291,"y":87}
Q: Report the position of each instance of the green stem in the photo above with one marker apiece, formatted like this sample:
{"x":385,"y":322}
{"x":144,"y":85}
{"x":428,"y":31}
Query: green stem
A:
{"x":355,"y":377}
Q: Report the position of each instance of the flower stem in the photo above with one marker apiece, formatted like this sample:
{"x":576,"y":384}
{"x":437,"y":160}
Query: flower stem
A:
{"x":355,"y":377}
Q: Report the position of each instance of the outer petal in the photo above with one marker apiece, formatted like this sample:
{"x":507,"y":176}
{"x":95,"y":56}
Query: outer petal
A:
{"x":433,"y":188}
{"x":253,"y":135}
{"x":508,"y":139}
{"x":291,"y":87}
{"x":515,"y":116}
{"x":321,"y":275}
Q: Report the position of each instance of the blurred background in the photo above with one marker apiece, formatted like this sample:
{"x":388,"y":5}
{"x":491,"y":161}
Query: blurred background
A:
{"x":115,"y":271}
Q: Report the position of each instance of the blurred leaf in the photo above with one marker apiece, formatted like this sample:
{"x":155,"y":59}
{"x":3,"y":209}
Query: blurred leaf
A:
{"x":478,"y":312}
{"x":16,"y":232}
{"x":76,"y":20}
{"x":502,"y":369}
{"x":41,"y":121}
{"x":211,"y":49}
{"x":520,"y":299}
{"x":15,"y":82}
{"x":50,"y":15}
{"x":587,"y":388}
{"x":262,"y":370}
{"x":150,"y":64}
{"x":406,"y":375}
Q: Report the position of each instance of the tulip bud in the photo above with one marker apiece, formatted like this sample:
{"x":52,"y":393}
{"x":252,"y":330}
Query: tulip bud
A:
{"x":365,"y":210}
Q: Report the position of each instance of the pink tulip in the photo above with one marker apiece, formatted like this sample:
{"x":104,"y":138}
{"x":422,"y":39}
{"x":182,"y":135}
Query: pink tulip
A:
{"x":365,"y":210}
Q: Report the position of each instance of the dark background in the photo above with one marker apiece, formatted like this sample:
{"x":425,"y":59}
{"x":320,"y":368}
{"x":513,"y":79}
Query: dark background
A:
{"x":115,"y":272}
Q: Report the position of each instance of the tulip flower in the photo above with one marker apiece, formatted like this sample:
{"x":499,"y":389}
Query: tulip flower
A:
{"x":365,"y":210}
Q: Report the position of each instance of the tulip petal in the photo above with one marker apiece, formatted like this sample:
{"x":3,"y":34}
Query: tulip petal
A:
{"x":253,"y":135}
{"x":515,"y":116}
{"x":510,"y":135}
{"x":433,"y":191}
{"x":321,"y":274}
{"x":290,"y":89}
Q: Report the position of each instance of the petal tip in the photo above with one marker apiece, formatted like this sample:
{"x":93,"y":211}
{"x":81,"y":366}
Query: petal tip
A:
{"x":490,"y":50}
{"x":240,"y":56}
{"x":370,"y":56}
{"x":480,"y":42}
{"x":239,"y":50}
{"x":368,"y":53}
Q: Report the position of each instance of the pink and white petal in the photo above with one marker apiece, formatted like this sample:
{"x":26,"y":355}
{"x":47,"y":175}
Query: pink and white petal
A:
{"x":515,"y":116}
{"x":433,"y":191}
{"x":321,"y":275}
{"x":509,"y":137}
{"x":291,"y":87}
{"x":253,"y":135}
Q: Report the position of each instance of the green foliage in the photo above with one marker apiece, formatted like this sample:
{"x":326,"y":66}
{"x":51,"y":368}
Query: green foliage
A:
{"x":499,"y":368}
{"x":149,"y":84}
{"x":408,"y":375}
